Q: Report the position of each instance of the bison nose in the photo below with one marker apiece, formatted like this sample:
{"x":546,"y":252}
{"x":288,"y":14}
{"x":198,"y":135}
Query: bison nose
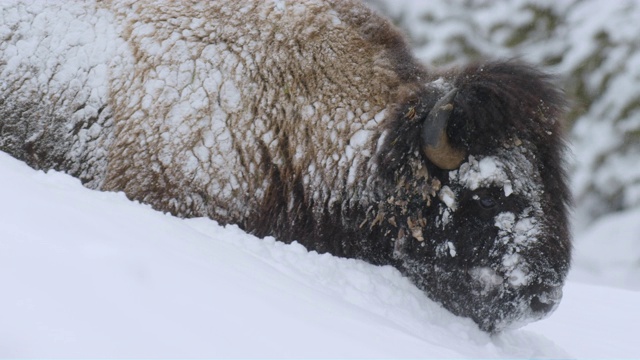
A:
{"x":547,"y":300}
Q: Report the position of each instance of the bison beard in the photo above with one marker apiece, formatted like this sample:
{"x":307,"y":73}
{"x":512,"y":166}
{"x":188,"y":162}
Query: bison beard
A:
{"x":310,"y":121}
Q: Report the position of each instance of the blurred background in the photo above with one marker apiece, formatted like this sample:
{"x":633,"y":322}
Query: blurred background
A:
{"x":593,"y":46}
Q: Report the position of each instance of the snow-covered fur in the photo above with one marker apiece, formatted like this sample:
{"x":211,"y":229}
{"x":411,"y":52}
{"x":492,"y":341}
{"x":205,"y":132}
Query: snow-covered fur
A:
{"x":302,"y":119}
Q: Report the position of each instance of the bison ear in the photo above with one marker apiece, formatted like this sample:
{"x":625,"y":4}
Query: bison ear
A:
{"x":435,"y":142}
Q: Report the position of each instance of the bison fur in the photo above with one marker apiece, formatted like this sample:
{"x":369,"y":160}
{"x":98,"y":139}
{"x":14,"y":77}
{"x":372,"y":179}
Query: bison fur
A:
{"x":308,"y":120}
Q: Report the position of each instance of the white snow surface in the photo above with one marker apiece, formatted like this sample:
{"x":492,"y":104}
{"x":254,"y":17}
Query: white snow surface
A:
{"x":91,"y":274}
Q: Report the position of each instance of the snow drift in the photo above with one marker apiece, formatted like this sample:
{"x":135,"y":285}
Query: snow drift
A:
{"x":91,"y":274}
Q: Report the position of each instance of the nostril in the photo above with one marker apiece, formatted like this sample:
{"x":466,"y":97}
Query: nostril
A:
{"x":537,"y":305}
{"x":546,"y":301}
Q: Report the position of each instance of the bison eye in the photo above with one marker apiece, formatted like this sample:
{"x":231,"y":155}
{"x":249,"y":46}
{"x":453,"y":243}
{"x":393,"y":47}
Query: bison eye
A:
{"x":486,"y":201}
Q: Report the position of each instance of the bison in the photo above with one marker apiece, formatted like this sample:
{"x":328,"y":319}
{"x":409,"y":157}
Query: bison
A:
{"x":307,"y":120}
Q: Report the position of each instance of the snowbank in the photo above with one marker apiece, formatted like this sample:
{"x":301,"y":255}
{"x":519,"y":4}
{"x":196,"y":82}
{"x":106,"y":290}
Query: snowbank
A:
{"x":91,"y":274}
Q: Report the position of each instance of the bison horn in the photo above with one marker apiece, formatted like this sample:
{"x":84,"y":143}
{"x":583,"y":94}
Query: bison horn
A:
{"x":435,"y":142}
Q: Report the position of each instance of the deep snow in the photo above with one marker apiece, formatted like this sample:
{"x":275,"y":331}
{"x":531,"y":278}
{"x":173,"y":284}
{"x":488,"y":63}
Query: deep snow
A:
{"x":91,"y":274}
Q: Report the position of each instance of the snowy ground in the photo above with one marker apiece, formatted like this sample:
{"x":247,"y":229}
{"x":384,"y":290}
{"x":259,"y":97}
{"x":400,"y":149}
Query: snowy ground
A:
{"x":91,"y":274}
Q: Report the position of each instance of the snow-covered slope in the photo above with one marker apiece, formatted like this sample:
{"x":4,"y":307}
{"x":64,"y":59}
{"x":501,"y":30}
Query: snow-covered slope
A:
{"x":91,"y":274}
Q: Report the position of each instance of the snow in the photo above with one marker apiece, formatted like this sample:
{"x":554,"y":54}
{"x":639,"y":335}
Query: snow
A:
{"x":609,"y":317}
{"x":448,"y":197}
{"x":488,"y":171}
{"x":608,"y":251}
{"x":487,"y":276}
{"x":92,"y":274}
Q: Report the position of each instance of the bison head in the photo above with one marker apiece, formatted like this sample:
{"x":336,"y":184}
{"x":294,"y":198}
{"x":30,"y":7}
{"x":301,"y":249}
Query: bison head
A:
{"x":490,"y":240}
